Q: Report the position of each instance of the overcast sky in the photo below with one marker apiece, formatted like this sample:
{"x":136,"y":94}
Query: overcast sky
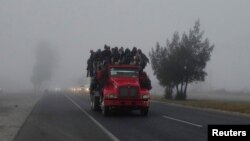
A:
{"x":73,"y":27}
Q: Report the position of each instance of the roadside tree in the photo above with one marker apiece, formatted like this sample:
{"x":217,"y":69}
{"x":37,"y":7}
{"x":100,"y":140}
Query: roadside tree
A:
{"x":182,"y":61}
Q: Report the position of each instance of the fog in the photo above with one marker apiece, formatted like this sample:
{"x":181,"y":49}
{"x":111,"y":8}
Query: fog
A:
{"x":73,"y":27}
{"x":45,"y":65}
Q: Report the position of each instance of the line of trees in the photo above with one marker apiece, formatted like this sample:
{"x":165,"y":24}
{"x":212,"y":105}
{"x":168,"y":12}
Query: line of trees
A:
{"x":181,"y":61}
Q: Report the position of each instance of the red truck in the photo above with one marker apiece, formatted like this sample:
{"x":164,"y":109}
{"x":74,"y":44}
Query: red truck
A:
{"x":121,"y":86}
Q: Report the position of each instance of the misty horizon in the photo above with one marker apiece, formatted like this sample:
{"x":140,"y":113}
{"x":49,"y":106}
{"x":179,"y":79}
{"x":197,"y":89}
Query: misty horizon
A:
{"x":74,"y":27}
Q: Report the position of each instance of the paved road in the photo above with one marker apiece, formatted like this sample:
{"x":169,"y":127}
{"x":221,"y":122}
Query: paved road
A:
{"x":65,"y":117}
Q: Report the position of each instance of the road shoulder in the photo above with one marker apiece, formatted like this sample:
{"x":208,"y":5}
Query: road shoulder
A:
{"x":202,"y":108}
{"x":14,"y":109}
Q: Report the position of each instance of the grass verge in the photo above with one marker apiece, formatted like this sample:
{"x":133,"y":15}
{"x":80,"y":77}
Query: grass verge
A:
{"x":231,"y":106}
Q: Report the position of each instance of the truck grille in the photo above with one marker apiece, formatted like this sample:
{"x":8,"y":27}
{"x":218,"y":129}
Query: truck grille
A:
{"x":128,"y":92}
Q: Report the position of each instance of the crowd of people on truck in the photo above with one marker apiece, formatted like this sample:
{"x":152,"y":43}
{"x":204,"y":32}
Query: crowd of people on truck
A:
{"x":98,"y":60}
{"x":115,"y":55}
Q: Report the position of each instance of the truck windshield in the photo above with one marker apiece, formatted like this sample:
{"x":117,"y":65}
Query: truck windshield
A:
{"x":124,"y":72}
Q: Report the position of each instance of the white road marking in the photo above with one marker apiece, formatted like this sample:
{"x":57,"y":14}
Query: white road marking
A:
{"x":114,"y":138}
{"x":190,"y":123}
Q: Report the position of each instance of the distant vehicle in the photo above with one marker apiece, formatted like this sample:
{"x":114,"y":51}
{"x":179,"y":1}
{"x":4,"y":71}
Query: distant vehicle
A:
{"x":57,"y":89}
{"x":76,"y":90}
{"x":85,"y":89}
{"x":53,"y":90}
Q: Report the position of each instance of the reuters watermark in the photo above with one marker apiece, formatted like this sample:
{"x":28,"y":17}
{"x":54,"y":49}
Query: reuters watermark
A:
{"x":220,"y":132}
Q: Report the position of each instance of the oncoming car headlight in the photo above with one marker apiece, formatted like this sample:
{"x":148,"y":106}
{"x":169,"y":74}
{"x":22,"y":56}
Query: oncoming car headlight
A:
{"x":86,"y":89}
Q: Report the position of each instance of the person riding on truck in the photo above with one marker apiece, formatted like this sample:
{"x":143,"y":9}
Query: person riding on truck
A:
{"x":90,"y":64}
{"x":99,"y":61}
{"x":144,"y":80}
{"x":115,"y":56}
{"x":106,"y":54}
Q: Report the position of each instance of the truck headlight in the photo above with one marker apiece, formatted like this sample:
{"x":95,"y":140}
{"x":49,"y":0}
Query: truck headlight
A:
{"x":112,"y":96}
{"x":145,"y":97}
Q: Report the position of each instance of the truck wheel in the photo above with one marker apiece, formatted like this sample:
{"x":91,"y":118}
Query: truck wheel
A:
{"x":105,"y":111}
{"x":144,"y":111}
{"x":95,"y":106}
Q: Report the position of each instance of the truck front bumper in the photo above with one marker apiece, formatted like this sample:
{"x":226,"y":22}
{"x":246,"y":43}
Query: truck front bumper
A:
{"x":126,"y":103}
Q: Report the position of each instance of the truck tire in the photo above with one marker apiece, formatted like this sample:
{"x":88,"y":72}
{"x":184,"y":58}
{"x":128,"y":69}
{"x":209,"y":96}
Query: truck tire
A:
{"x":144,"y":111}
{"x":105,"y":111}
{"x":95,"y":103}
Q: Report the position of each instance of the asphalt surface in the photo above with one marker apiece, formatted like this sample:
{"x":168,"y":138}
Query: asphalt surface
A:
{"x":67,"y":117}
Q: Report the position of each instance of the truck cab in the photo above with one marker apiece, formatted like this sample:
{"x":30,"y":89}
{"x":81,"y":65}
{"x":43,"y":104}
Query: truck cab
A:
{"x":122,"y":86}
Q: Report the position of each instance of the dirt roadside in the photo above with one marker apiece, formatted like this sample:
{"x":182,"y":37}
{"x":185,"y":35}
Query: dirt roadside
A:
{"x":14,"y":109}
